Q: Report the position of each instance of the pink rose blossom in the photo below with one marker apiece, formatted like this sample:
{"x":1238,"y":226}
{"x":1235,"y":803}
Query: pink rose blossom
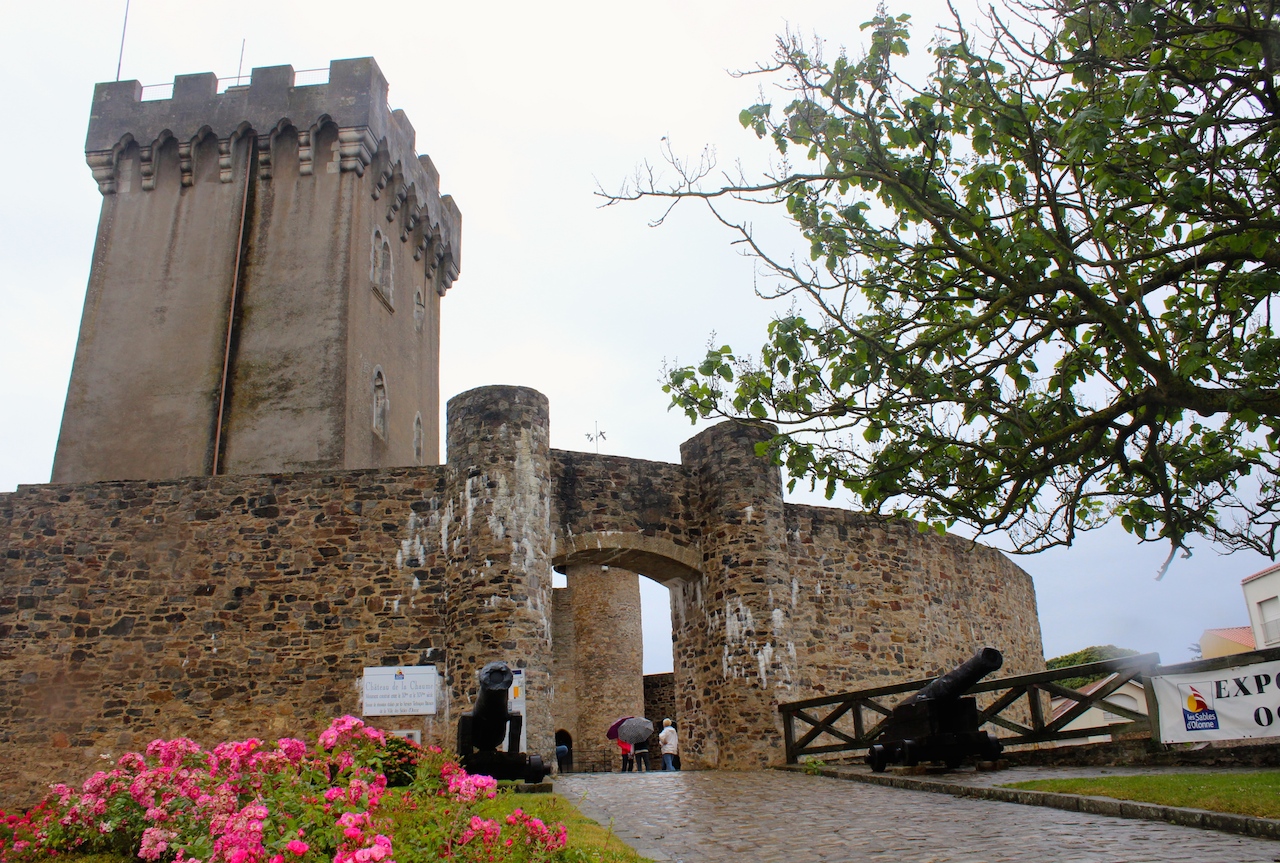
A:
{"x":294,"y":750}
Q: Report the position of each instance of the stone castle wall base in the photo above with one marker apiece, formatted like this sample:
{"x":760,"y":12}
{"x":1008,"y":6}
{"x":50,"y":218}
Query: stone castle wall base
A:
{"x":237,"y":606}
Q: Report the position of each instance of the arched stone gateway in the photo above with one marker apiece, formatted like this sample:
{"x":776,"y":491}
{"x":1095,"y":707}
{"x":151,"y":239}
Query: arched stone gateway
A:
{"x":248,"y":605}
{"x":773,"y":601}
{"x":660,"y":559}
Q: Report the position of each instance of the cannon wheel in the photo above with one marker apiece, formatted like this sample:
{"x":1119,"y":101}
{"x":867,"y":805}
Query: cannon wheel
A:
{"x":878,"y":758}
{"x":992,"y":748}
{"x":910,"y":753}
{"x":991,"y":752}
{"x":535,"y":771}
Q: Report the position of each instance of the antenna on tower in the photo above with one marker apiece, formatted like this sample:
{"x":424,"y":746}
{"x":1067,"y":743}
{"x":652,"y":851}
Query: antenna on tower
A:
{"x":597,"y":437}
{"x":240,"y":68}
{"x":124,"y":29}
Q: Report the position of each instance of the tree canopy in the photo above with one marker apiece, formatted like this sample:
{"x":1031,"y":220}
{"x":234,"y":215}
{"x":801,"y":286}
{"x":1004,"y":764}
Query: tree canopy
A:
{"x":1038,"y":294}
{"x":1096,"y":653}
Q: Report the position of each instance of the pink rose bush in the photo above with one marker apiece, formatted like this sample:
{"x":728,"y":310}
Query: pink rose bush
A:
{"x":534,"y":833}
{"x":252,"y":801}
{"x":465,"y":787}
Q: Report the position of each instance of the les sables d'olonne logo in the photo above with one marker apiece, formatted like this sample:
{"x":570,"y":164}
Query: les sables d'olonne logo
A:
{"x":1197,"y":712}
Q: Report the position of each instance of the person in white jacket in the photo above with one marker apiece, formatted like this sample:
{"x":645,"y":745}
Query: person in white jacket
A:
{"x":670,"y":745}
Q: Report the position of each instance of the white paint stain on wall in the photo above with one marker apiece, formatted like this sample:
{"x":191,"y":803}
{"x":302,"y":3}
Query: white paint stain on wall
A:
{"x":745,"y":653}
{"x":469,"y":500}
{"x":738,"y":621}
{"x":764,"y":657}
{"x":683,"y":595}
{"x":517,"y":512}
{"x":411,"y":555}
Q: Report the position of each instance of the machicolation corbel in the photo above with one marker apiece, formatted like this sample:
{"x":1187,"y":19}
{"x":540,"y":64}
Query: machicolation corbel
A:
{"x":357,"y":148}
{"x":305,"y":165}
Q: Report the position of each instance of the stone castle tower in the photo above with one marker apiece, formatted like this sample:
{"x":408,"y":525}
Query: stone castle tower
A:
{"x":247,"y":512}
{"x":266,"y":282}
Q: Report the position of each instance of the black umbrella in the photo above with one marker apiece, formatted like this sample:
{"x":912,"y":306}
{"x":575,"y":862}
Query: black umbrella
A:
{"x":635,"y":730}
{"x":612,"y":733}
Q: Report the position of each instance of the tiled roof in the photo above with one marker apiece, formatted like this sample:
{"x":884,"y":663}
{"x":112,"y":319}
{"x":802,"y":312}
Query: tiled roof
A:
{"x":1066,"y":704}
{"x":1267,"y":571}
{"x":1235,"y":634}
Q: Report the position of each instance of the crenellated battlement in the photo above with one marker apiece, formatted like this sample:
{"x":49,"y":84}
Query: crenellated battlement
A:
{"x":370,"y":135}
{"x":266,"y":283}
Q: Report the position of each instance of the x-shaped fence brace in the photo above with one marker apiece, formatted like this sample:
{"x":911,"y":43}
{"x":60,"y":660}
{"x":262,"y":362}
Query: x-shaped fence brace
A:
{"x":1033,"y":687}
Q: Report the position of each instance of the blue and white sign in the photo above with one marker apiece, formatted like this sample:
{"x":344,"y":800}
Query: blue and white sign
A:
{"x":1229,"y":704}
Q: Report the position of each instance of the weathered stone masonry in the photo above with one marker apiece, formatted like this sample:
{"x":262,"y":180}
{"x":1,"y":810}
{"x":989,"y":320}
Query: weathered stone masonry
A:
{"x":203,"y":607}
{"x":266,"y":283}
{"x":248,"y":605}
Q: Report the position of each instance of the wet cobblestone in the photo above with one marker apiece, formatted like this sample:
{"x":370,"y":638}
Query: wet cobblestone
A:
{"x":721,"y":817}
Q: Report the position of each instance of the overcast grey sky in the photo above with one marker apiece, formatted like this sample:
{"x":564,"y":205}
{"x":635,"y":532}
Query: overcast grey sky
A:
{"x":522,"y":107}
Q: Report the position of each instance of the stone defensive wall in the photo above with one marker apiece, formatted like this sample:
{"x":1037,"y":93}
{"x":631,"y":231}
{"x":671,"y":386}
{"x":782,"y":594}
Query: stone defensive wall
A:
{"x":237,"y":606}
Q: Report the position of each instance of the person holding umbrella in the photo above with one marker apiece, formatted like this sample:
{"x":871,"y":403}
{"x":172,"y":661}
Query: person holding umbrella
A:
{"x":633,"y":731}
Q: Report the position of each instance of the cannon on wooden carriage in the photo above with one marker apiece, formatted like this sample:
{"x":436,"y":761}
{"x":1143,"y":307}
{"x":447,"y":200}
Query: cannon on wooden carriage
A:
{"x":936,"y":723}
{"x":482,"y":729}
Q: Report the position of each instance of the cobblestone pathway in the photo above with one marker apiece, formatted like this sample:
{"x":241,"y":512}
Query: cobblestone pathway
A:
{"x":774,"y":817}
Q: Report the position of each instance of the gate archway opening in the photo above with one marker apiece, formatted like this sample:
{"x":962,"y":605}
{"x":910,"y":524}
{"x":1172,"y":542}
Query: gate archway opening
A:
{"x":612,"y":606}
{"x":655,"y":626}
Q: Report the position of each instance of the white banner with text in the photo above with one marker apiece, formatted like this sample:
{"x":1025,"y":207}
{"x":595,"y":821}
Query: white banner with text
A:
{"x":1228,"y":704}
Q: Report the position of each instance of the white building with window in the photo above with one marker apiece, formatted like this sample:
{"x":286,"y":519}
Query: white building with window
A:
{"x":1262,"y":597}
{"x":1130,"y":696}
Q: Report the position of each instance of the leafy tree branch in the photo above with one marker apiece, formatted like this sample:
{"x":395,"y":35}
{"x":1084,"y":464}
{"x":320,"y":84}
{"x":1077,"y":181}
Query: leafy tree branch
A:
{"x":1039,"y":283}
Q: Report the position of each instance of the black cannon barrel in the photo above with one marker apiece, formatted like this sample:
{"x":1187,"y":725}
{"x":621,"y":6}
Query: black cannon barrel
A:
{"x":489,"y":716}
{"x":956,"y":682}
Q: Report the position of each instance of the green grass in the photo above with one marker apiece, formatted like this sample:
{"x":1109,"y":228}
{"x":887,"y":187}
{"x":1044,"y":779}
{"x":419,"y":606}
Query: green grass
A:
{"x":1256,"y":794}
{"x":595,"y":842}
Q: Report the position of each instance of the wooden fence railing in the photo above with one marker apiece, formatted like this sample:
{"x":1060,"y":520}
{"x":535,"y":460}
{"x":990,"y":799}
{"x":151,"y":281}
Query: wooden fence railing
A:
{"x":861,"y":715}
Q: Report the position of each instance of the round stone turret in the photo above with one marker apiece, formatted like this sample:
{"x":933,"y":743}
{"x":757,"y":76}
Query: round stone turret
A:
{"x":735,"y":679}
{"x":497,"y":536}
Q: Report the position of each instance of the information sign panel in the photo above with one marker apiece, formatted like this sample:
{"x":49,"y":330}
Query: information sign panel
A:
{"x":409,"y":690}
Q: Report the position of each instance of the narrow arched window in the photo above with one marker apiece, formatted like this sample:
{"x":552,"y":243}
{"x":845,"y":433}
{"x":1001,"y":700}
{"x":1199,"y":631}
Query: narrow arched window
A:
{"x":419,"y":310}
{"x":384,"y":281}
{"x":380,"y":404}
{"x":418,"y":439}
{"x":381,"y":268}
